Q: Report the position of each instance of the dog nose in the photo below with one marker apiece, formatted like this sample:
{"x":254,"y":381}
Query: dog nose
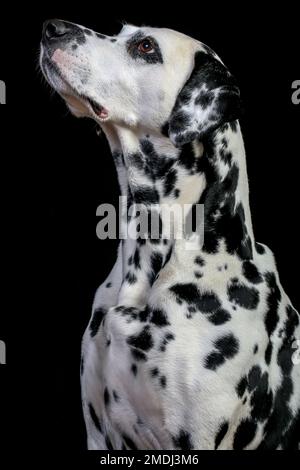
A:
{"x":55,"y":29}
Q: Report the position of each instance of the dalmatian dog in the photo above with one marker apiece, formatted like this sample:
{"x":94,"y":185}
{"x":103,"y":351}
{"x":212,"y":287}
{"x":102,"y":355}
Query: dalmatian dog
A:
{"x":186,"y":348}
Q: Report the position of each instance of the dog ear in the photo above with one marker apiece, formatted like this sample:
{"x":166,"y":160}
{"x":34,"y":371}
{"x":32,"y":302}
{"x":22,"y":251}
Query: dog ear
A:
{"x":209,"y":98}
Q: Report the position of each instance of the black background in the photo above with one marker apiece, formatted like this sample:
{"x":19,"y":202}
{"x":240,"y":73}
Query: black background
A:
{"x":56,"y":171}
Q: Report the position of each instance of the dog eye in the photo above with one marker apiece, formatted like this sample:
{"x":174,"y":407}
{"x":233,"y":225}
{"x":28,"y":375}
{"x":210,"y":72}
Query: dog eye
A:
{"x":145,"y":46}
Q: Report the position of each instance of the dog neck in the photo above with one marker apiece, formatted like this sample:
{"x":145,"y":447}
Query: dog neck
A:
{"x":151,"y":171}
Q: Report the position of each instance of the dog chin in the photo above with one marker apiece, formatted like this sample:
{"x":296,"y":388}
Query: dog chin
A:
{"x":76,"y":105}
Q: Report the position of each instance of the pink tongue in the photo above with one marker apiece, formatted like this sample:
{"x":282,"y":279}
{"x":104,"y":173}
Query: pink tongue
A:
{"x":103,"y":113}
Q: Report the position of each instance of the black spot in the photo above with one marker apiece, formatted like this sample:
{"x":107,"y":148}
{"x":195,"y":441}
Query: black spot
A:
{"x":138,"y":355}
{"x":261,"y":399}
{"x":192,"y":309}
{"x":130,"y":278}
{"x":159,"y":318}
{"x":144,"y":314}
{"x":136,"y":259}
{"x":134,"y":369}
{"x":189,"y":292}
{"x":273,"y":301}
{"x":100,"y":36}
{"x":154,"y":372}
{"x":291,"y":438}
{"x":251,"y":272}
{"x":181,"y":120}
{"x":208,"y":302}
{"x":167,"y":338}
{"x":268,"y":353}
{"x":233,"y":125}
{"x":214,"y":360}
{"x":165,"y":129}
{"x":170,"y":181}
{"x":81,"y":365}
{"x":281,"y":415}
{"x":228,"y":345}
{"x":108,"y":443}
{"x":219,"y":317}
{"x":168,"y":255}
{"x":244,"y":434}
{"x":156,"y":165}
{"x":246,"y":297}
{"x":136,"y":159}
{"x":205,"y":99}
{"x":183,"y":440}
{"x":129,"y":442}
{"x":198,"y":275}
{"x":223,"y":218}
{"x":116,"y":396}
{"x":291,"y":323}
{"x":254,"y":377}
{"x":260,"y":248}
{"x":106,"y":397}
{"x":96,"y":321}
{"x":255,"y":348}
{"x":80,"y":39}
{"x":226,"y":156}
{"x":156,"y":264}
{"x":95,"y":418}
{"x":221,"y":434}
{"x":108,"y":285}
{"x":143,"y":340}
{"x":145,"y":195}
{"x":226,"y":348}
{"x":163,"y":381}
{"x":241,"y":386}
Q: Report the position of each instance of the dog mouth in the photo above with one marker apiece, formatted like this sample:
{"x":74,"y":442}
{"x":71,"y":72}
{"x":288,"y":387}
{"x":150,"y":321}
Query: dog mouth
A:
{"x":52,"y":70}
{"x":97,"y":109}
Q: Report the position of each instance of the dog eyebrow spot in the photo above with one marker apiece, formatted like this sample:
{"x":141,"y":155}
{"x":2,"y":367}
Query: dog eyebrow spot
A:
{"x":154,"y":57}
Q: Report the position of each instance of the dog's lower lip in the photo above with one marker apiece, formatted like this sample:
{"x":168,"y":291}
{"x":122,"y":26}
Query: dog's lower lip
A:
{"x":101,"y":112}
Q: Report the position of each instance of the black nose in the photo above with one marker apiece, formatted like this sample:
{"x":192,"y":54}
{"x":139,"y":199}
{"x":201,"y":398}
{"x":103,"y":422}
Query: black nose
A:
{"x":55,"y":29}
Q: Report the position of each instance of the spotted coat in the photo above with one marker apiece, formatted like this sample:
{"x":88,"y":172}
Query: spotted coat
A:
{"x":185,"y":349}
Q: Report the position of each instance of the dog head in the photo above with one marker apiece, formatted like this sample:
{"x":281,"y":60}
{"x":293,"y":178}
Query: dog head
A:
{"x":148,"y":78}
